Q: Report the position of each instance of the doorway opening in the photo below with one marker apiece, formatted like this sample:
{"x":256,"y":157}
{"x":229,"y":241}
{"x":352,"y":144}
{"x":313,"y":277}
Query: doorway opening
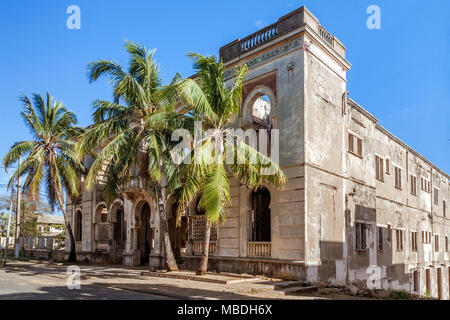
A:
{"x":145,"y":235}
{"x":260,"y":216}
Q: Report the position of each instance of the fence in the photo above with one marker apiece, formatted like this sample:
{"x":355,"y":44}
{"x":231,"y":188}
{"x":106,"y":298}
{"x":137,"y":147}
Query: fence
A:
{"x":39,"y":243}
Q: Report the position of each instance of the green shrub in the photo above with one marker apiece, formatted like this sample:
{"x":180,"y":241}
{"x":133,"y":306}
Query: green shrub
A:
{"x":399,"y":295}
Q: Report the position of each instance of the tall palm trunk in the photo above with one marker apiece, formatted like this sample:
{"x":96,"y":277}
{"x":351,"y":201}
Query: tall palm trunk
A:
{"x":204,"y":261}
{"x":162,"y":200}
{"x":72,"y":254}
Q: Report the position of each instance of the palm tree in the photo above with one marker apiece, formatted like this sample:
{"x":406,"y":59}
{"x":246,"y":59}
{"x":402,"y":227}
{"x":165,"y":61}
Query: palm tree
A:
{"x":132,"y":131}
{"x":207,"y":175}
{"x":50,"y":160}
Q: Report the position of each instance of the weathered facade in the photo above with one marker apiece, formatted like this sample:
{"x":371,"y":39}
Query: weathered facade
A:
{"x":359,"y":206}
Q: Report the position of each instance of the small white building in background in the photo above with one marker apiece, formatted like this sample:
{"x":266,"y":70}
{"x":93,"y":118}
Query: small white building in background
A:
{"x":50,"y":226}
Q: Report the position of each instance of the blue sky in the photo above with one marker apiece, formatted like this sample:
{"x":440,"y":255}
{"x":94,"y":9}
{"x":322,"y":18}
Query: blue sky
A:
{"x":401,"y":73}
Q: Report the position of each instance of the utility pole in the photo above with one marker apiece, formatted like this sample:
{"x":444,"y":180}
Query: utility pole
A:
{"x":18,"y":206}
{"x":8,"y":229}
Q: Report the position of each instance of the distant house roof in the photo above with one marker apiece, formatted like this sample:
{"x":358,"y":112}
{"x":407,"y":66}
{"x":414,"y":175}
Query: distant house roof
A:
{"x":50,"y":219}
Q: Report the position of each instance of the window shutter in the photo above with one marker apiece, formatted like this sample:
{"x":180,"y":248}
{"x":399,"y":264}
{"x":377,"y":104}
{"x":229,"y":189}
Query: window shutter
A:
{"x":350,"y":142}
{"x":377,"y":167}
{"x":360,"y":147}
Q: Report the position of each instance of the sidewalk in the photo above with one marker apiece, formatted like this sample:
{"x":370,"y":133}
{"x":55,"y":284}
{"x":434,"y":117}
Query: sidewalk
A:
{"x":139,"y":280}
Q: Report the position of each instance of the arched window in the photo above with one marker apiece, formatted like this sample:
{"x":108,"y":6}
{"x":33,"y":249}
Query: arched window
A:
{"x":101,"y":214}
{"x":104,"y":217}
{"x":144,"y":231}
{"x":260,"y":216}
{"x":261,"y":120}
{"x":261,"y":111}
{"x":78,"y":226}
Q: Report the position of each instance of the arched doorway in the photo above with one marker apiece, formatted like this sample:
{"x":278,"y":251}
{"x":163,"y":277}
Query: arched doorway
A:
{"x":144,"y":234}
{"x":119,"y":227}
{"x":78,"y":226}
{"x":177,"y":232}
{"x":101,"y":227}
{"x":118,"y":232}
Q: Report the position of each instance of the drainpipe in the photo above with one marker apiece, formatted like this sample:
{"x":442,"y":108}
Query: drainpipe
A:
{"x":347,"y":218}
{"x":432,"y":214}
{"x":346,"y":223}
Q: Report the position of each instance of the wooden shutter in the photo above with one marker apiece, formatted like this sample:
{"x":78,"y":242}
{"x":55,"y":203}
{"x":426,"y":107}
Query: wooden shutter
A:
{"x":359,"y":147}
{"x":350,"y":142}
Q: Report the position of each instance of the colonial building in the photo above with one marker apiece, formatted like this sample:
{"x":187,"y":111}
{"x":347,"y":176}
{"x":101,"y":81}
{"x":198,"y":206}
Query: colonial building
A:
{"x":360,"y":206}
{"x":49,"y":225}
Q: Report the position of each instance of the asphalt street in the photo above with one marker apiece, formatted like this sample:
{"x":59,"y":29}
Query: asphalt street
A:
{"x":31,"y":286}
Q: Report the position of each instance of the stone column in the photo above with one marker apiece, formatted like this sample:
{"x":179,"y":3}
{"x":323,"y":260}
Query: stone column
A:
{"x":69,"y":209}
{"x":86,"y":212}
{"x":156,"y":255}
{"x":244,"y":208}
{"x":128,"y":215}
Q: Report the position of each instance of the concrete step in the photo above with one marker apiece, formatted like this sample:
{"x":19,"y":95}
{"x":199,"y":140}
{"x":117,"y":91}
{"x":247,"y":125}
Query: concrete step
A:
{"x":288,"y":284}
{"x":295,"y":291}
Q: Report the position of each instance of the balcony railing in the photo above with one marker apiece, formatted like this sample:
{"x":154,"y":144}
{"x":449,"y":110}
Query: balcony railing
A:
{"x":284,"y":25}
{"x":326,"y":36}
{"x":259,"y":249}
{"x":292,"y":21}
{"x":197,"y":247}
{"x":258,"y":38}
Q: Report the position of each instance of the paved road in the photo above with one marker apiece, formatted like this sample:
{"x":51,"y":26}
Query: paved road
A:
{"x":32,"y":286}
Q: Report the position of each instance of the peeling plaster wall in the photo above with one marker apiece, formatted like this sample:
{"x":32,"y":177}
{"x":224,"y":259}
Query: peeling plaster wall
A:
{"x":324,"y":236}
{"x":397,"y":208}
